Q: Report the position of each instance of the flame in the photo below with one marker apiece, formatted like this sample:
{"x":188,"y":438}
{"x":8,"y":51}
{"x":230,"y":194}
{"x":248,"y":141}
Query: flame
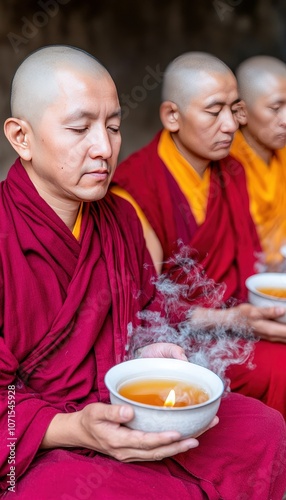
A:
{"x":170,"y":399}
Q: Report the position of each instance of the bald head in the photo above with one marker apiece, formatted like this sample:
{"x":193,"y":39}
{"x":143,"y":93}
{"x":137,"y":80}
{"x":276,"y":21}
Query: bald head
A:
{"x":183,"y":76}
{"x":35,"y":84}
{"x":255,"y":76}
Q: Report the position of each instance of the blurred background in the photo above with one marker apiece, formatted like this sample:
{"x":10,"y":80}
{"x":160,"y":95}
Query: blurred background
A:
{"x":135,"y":41}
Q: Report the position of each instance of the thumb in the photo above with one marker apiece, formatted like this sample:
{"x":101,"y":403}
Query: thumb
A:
{"x":274,"y":312}
{"x":119,"y":413}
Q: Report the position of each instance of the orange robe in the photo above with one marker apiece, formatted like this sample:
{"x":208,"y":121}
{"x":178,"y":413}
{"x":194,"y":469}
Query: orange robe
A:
{"x":266,"y":186}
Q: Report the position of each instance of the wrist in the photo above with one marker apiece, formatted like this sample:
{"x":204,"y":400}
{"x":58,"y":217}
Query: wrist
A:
{"x":61,"y":433}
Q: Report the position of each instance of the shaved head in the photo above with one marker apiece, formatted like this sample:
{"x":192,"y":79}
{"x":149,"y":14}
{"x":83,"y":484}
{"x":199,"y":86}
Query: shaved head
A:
{"x":255,"y":75}
{"x":35,"y":84}
{"x":183,"y":76}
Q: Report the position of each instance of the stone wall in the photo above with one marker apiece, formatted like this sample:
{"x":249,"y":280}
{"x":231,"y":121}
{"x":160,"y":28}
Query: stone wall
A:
{"x":136,"y":41}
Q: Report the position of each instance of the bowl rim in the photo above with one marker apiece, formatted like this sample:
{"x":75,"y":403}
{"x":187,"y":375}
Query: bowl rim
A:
{"x":165,"y":408}
{"x":249,"y":283}
{"x":283,"y":250}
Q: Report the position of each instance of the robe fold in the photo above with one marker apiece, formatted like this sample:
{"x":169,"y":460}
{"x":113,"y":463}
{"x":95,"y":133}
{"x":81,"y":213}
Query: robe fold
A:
{"x":57,"y":296}
{"x":65,"y":309}
{"x":266,"y":185}
{"x":225,"y":245}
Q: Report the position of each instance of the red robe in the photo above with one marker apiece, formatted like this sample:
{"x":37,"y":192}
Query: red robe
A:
{"x":65,"y":307}
{"x":225,"y":246}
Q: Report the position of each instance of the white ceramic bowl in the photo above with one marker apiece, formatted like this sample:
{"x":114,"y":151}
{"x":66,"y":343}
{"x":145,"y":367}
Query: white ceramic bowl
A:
{"x":188,"y":420}
{"x":283,"y":251}
{"x":266,"y":280}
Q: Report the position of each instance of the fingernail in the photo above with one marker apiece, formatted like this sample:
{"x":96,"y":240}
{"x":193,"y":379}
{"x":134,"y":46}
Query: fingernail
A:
{"x":125,"y":412}
{"x":280,"y":310}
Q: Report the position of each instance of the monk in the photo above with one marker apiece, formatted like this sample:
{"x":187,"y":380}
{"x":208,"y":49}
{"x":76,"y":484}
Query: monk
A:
{"x":75,"y":273}
{"x":259,"y":145}
{"x":186,"y":188}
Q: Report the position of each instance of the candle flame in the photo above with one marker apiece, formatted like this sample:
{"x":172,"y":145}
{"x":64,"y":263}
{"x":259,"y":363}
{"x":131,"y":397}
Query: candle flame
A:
{"x":170,"y":399}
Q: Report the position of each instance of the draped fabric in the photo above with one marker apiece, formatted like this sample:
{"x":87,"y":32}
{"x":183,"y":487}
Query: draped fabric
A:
{"x":57,"y":297}
{"x":65,"y":308}
{"x":266,"y":186}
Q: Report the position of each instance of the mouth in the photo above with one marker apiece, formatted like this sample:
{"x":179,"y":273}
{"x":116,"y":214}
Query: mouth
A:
{"x":224,"y":144}
{"x":99,"y":175}
{"x":281,"y":137}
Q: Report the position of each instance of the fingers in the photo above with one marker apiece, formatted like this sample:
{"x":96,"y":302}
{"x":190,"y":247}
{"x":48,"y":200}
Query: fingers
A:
{"x":106,"y":434}
{"x":269,"y":330}
{"x":156,"y":453}
{"x":163,"y":350}
{"x":109,"y":418}
{"x":252,"y":312}
{"x":173,"y":351}
{"x":119,"y":414}
{"x":272,"y":312}
{"x":213,"y":423}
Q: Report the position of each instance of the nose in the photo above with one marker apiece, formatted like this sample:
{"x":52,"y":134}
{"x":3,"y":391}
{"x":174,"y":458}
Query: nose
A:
{"x":100,"y":145}
{"x":283,"y":116}
{"x":229,"y":122}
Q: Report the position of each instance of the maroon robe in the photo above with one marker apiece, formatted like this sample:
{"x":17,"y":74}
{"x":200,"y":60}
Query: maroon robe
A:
{"x":225,"y":246}
{"x":65,"y":307}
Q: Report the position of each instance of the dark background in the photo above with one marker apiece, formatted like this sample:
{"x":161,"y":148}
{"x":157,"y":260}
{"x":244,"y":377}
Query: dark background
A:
{"x":135,"y":41}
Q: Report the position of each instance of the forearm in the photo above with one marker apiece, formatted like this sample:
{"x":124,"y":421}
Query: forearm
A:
{"x":62,"y":432}
{"x":210,"y":318}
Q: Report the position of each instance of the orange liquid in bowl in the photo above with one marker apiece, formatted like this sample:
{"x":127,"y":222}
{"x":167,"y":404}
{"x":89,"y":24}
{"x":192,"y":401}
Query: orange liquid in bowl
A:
{"x":155,"y":392}
{"x":278,"y":293}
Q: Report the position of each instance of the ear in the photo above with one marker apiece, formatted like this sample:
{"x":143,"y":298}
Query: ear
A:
{"x":169,"y":115}
{"x":241,"y":114}
{"x":18,"y":133}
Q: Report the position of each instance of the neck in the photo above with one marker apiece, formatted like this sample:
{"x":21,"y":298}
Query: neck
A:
{"x":67,"y":212}
{"x":262,"y":151}
{"x":199,"y":164}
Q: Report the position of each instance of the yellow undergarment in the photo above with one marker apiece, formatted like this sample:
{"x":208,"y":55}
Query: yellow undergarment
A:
{"x":266,"y":186}
{"x":77,"y":226}
{"x":195,"y":188}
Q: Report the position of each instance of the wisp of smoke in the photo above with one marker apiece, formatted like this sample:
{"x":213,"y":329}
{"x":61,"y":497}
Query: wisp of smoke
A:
{"x":216,"y":346}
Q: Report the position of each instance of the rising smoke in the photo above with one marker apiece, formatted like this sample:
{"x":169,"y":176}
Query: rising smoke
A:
{"x":207,"y":338}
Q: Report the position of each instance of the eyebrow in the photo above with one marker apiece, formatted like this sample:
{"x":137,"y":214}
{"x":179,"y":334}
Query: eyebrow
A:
{"x":222,"y":103}
{"x":277,"y":101}
{"x":79,"y":114}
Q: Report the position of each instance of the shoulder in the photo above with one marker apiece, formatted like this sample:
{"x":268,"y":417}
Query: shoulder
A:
{"x":124,"y":221}
{"x":138,"y":162}
{"x":123,"y":212}
{"x":234,"y":179}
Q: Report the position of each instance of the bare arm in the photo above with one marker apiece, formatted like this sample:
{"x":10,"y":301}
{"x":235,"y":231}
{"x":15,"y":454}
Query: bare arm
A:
{"x":154,"y":246}
{"x":261,"y":320}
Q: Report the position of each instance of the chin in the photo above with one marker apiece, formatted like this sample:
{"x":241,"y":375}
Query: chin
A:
{"x":220,"y":154}
{"x":279,"y":144}
{"x":99,"y":196}
{"x":90,"y":195}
